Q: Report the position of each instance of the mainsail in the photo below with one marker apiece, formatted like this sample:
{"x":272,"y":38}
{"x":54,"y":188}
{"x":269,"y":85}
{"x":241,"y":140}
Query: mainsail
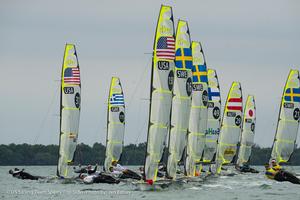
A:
{"x":115,"y":123}
{"x":198,"y":114}
{"x":247,"y":137}
{"x":181,"y":102}
{"x":69,"y":111}
{"x":213,"y":117}
{"x":288,"y":122}
{"x":162,"y":78}
{"x":230,"y":127}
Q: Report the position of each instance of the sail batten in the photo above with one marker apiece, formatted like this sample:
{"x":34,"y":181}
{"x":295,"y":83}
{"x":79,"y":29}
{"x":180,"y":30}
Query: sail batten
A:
{"x":69,"y":110}
{"x":288,"y":121}
{"x":162,"y":77}
{"x":181,"y":101}
{"x":115,"y":123}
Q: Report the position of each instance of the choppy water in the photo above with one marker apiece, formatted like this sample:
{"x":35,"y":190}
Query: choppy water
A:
{"x":249,"y":186}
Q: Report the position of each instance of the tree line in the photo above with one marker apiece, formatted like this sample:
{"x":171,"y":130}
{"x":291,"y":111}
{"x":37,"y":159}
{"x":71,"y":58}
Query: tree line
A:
{"x":133,"y":154}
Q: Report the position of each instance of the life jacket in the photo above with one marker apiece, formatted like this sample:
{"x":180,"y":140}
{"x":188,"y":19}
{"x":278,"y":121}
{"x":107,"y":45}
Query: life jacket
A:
{"x":270,"y":173}
{"x":276,"y":167}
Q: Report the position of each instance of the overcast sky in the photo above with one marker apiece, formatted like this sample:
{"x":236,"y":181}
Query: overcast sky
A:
{"x":255,"y":42}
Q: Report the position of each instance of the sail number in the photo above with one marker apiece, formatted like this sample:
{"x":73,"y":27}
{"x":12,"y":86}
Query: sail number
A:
{"x":68,"y":90}
{"x":114,"y":109}
{"x":296,"y":114}
{"x":182,"y":74}
{"x":288,"y":105}
{"x":163,"y":65}
{"x":197,"y":87}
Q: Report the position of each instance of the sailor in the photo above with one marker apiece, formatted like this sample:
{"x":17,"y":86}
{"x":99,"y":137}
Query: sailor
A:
{"x":126,"y":173}
{"x":275,"y":166}
{"x":98,"y":178}
{"x":88,"y":169}
{"x":270,"y":172}
{"x":23,"y":175}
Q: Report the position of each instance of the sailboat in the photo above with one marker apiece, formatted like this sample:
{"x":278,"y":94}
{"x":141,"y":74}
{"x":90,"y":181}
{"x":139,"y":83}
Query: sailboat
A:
{"x":230,"y":127}
{"x":162,"y":77}
{"x":213,"y":118}
{"x":181,"y":101}
{"x":115,"y":123}
{"x":69,"y":111}
{"x":198,"y":114}
{"x":247,"y":136}
{"x":288,"y":121}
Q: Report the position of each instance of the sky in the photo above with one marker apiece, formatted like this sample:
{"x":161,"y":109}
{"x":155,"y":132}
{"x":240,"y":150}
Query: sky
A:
{"x":255,"y":42}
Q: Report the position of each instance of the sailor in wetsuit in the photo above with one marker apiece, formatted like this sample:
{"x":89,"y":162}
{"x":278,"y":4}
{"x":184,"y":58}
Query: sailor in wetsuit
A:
{"x":246,"y":168}
{"x":126,"y":173}
{"x":87,"y":169}
{"x":276,"y":172}
{"x":23,"y":175}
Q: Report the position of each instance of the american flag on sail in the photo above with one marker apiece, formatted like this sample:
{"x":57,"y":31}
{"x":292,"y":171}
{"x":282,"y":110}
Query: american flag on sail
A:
{"x":235,"y":104}
{"x":117,"y":99}
{"x":166,"y":48}
{"x":72,"y":76}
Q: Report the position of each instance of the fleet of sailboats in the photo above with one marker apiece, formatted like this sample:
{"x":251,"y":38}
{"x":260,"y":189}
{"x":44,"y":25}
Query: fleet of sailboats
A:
{"x":184,"y":111}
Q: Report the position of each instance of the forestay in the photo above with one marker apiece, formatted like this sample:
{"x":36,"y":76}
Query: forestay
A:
{"x":162,"y":78}
{"x":181,"y":102}
{"x":247,"y":136}
{"x":69,"y":111}
{"x":213,"y":117}
{"x":288,"y":122}
{"x":230,"y":127}
{"x":115,"y":123}
{"x":198,"y":114}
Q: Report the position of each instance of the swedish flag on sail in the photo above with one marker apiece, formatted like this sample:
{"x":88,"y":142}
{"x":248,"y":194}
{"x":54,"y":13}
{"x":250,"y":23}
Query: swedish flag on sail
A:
{"x":199,"y":73}
{"x":292,"y":94}
{"x":183,"y":58}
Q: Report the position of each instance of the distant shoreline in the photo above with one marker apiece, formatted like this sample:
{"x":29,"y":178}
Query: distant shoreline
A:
{"x":133,"y":154}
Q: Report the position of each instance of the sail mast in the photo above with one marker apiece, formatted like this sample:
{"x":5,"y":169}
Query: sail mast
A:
{"x":69,"y":110}
{"x":213,"y":117}
{"x":231,"y":126}
{"x":115,"y":123}
{"x":198,"y":114}
{"x":288,"y":121}
{"x":247,"y":136}
{"x":162,"y":77}
{"x":181,"y":102}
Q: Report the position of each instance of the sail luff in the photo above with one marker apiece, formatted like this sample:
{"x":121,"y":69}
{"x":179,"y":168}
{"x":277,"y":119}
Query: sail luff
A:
{"x":248,"y":131}
{"x":162,"y":77}
{"x":214,"y":117}
{"x":198,"y":113}
{"x":288,"y":121}
{"x":70,"y":110}
{"x":181,"y":101}
{"x":115,"y":123}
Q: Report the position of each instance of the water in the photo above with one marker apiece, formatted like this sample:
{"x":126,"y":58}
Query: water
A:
{"x":249,"y":186}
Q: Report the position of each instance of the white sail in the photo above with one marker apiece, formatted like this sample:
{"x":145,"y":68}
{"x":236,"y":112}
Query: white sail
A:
{"x":214,"y":117}
{"x":230,"y":127}
{"x":162,"y":78}
{"x":247,"y":136}
{"x":288,"y":122}
{"x":115,"y":123}
{"x":181,"y":102}
{"x":198,"y":114}
{"x":69,"y":111}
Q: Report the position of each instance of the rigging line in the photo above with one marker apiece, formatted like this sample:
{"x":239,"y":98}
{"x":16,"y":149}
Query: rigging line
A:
{"x":139,"y":81}
{"x":39,"y":130}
